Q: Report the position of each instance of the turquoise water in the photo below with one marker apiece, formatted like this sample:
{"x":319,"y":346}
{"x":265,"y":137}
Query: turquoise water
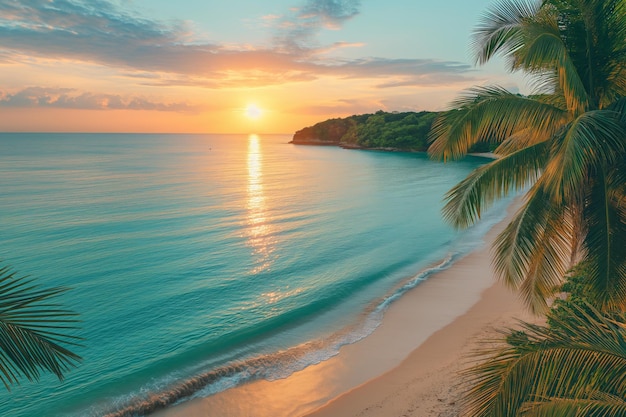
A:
{"x":198,"y":262}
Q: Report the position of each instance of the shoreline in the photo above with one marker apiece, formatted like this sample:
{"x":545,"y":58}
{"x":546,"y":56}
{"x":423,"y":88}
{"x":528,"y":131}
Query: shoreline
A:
{"x":350,"y":146}
{"x":427,"y":383}
{"x":488,"y":155}
{"x":442,"y":315}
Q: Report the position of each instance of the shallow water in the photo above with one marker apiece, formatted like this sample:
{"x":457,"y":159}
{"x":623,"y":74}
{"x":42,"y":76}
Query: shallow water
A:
{"x":198,"y":262}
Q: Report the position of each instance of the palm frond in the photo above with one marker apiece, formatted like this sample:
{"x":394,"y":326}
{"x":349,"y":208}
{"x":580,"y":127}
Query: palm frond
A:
{"x":594,"y":139}
{"x":516,"y":142}
{"x":619,"y":107}
{"x":33,"y":330}
{"x":575,"y":51}
{"x":500,"y":29}
{"x":608,"y":406}
{"x":605,"y":219}
{"x":578,"y":362}
{"x":532,"y":253}
{"x":544,"y":51}
{"x":490,"y":114}
{"x":468,"y":199}
{"x":604,"y":46}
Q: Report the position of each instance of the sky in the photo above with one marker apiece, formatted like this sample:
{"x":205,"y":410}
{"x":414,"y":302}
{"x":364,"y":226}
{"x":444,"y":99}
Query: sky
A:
{"x":236,"y":66}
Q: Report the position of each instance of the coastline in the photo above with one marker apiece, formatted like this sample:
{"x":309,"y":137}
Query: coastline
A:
{"x":431,"y":328}
{"x":349,"y":146}
{"x":427,"y":382}
{"x":488,"y":155}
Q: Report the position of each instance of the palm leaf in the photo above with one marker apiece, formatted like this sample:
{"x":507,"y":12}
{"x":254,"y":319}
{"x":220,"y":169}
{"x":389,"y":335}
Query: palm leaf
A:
{"x":468,"y":199}
{"x":528,"y":34}
{"x":500,"y":29}
{"x":532,"y":253}
{"x":544,"y":51}
{"x":594,"y":139}
{"x":516,"y":142}
{"x":33,"y":330}
{"x":608,"y":406}
{"x":580,"y":361}
{"x":596,"y":33}
{"x":491,"y":114}
{"x":605,"y":219}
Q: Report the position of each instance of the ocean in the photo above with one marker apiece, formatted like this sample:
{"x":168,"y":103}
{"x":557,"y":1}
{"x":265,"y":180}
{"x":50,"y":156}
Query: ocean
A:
{"x":200,"y":262}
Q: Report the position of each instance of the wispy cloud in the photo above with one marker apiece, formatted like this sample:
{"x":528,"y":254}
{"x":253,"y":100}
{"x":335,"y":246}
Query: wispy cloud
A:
{"x":404,"y":72}
{"x":93,"y":31}
{"x":98,"y":31}
{"x":297,"y":30}
{"x":67,"y":98}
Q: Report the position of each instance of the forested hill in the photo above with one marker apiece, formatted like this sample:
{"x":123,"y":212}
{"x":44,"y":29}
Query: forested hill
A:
{"x":406,"y":131}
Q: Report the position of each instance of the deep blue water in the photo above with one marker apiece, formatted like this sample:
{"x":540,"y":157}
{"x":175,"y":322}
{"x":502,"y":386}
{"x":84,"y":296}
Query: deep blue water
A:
{"x":197,"y":262}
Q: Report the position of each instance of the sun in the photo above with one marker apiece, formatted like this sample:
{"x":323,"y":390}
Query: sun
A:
{"x":253,"y":112}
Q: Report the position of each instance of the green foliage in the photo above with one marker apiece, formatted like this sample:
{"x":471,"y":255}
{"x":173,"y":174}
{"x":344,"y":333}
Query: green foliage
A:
{"x":566,"y":145}
{"x":576,"y":294}
{"x":402,"y":131}
{"x":396,"y":130}
{"x":330,"y":131}
{"x":575,"y":366}
{"x":33,"y":330}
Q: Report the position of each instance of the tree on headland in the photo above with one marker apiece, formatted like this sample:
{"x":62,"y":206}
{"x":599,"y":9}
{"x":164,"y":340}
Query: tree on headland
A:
{"x":566,"y":145}
{"x":407,"y":131}
{"x":33,"y":331}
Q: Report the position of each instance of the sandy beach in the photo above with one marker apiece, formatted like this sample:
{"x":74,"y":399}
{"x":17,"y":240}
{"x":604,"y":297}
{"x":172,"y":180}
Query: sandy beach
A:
{"x":426,"y":384}
{"x":407,"y":367}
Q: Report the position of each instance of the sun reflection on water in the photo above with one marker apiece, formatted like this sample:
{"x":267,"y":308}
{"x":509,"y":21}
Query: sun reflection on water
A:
{"x":259,"y":230}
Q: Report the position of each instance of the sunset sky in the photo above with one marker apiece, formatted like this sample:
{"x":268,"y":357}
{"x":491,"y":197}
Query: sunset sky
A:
{"x":238,"y":66}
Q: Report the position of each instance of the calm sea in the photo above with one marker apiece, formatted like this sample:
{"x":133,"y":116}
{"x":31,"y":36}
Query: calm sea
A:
{"x":199,"y":262}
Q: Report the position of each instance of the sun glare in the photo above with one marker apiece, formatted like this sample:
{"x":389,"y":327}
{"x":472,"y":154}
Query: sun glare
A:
{"x":253,"y":111}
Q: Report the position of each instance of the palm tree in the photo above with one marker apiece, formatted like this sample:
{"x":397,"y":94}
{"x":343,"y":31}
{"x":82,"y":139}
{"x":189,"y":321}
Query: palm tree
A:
{"x":565,"y":145}
{"x":575,"y":367}
{"x":33,"y":330}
